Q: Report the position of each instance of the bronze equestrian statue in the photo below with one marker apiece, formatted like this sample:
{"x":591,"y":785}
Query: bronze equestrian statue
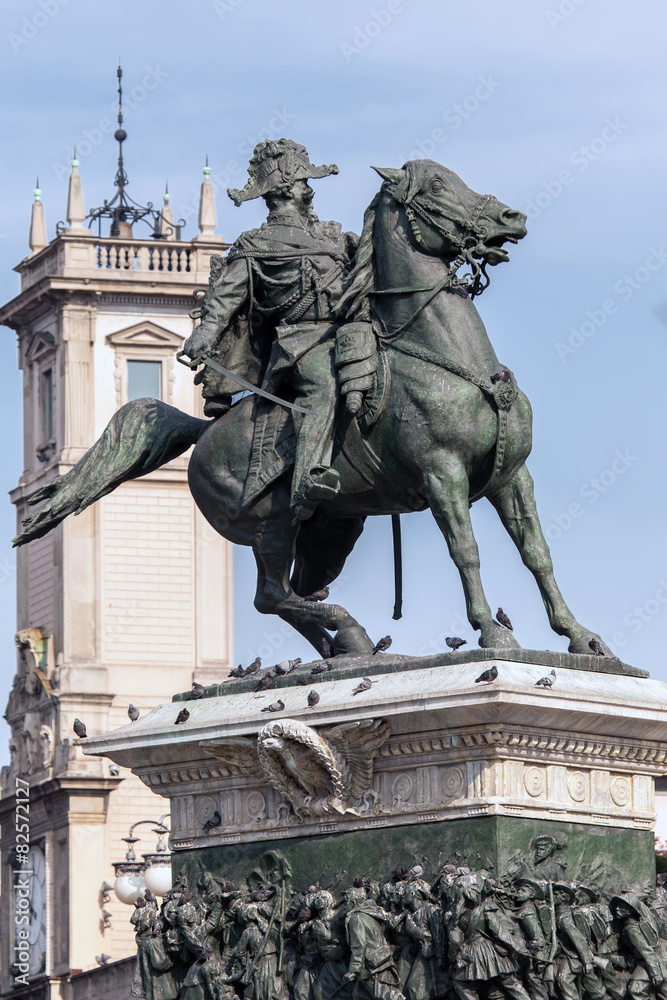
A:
{"x":426,"y":415}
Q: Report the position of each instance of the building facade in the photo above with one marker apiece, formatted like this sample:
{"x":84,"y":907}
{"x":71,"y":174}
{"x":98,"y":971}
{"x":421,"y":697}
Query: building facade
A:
{"x":128,"y":602}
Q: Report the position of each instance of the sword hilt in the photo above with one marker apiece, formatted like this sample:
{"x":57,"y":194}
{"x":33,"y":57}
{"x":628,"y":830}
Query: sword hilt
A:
{"x":191,"y":363}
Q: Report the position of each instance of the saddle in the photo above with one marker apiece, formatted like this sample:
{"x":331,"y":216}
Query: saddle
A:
{"x":363,"y":377}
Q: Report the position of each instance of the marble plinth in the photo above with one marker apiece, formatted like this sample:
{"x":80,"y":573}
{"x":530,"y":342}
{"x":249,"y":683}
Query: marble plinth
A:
{"x":443,"y":754}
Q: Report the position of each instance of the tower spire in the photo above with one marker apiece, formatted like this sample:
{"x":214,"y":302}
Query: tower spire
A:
{"x":37,"y":237}
{"x":207,"y":215}
{"x":76,"y":213}
{"x":167,"y":229}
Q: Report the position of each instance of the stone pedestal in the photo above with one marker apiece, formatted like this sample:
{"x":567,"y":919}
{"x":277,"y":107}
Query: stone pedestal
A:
{"x":424,"y":766}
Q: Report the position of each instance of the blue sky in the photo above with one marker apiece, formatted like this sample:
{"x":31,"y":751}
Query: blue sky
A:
{"x":555,"y":106}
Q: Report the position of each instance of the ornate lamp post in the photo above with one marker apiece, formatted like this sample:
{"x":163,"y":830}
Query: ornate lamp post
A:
{"x":133,"y":877}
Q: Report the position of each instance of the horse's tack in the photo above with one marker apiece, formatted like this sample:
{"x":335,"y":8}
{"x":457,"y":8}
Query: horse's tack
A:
{"x":503,"y":394}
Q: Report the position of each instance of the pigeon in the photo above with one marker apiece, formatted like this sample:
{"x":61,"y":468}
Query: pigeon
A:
{"x":275,"y":706}
{"x":262,"y":895}
{"x":182,"y":716}
{"x":503,"y":620}
{"x":455,"y":643}
{"x":415,"y":872}
{"x":382,"y":644}
{"x":80,"y":729}
{"x":488,"y":675}
{"x":210,"y":824}
{"x":501,"y":376}
{"x":322,"y":668}
{"x":102,"y":959}
{"x":149,"y":897}
{"x":254,"y":666}
{"x":365,"y":684}
{"x":197,"y":691}
{"x":318,"y":595}
{"x":327,"y":651}
{"x":306,"y":679}
{"x":114,"y":770}
{"x":265,"y":682}
{"x":286,"y":666}
{"x":596,"y":647}
{"x":139,"y":903}
{"x":237,"y":671}
{"x":313,"y":699}
{"x":133,"y":712}
{"x":546,"y":682}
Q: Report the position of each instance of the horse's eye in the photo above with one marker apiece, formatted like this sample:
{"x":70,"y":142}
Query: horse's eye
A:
{"x":437,"y":186}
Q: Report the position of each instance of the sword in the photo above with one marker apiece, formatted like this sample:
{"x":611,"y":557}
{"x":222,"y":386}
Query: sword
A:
{"x":205,"y":359}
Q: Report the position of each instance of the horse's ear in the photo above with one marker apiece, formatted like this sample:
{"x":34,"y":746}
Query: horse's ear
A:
{"x":392,"y":174}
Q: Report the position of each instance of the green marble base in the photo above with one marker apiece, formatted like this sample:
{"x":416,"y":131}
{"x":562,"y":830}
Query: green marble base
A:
{"x":613,"y":858}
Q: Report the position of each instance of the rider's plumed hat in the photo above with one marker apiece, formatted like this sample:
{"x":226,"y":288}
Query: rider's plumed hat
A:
{"x":276,"y":163}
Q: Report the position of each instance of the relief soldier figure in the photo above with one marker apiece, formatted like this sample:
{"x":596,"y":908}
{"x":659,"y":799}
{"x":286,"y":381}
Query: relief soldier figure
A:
{"x":371,"y":967}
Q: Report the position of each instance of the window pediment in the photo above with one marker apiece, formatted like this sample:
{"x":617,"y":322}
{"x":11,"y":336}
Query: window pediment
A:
{"x":42,"y":344}
{"x":146,"y":334}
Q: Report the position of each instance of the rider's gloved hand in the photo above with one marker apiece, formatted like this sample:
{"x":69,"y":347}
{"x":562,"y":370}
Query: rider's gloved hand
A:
{"x":196,"y":344}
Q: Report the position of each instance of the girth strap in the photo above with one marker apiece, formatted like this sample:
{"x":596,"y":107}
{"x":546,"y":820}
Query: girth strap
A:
{"x":502,"y":394}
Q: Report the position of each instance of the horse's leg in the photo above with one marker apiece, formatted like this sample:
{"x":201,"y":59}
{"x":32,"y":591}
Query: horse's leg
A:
{"x":323,"y":545}
{"x":515,"y":503}
{"x":447,"y":490}
{"x":274,"y":550}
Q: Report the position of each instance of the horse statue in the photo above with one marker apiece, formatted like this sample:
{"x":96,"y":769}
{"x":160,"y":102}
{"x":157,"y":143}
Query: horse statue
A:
{"x":444,"y":425}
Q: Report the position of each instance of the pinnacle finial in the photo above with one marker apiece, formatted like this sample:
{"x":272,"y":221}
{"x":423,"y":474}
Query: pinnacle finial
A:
{"x":207,"y":214}
{"x":76,"y":213}
{"x":37,"y":235}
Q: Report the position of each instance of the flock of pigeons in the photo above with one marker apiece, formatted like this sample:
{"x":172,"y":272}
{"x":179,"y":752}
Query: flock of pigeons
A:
{"x":287,"y":666}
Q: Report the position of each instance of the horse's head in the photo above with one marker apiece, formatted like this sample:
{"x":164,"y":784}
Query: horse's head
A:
{"x":447,"y":219}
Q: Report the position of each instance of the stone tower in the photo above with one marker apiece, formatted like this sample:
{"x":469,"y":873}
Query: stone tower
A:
{"x":128,"y":602}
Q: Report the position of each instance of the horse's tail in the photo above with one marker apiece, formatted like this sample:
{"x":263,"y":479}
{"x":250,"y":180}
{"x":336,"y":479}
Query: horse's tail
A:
{"x":140,"y":437}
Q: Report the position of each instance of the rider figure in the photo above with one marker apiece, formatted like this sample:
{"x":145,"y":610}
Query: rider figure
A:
{"x":291,"y":271}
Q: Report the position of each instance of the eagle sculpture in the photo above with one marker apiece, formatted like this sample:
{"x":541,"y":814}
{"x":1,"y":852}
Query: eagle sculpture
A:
{"x":315,"y":771}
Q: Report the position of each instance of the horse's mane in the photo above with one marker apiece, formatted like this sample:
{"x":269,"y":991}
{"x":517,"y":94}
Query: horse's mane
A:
{"x":355,"y":301}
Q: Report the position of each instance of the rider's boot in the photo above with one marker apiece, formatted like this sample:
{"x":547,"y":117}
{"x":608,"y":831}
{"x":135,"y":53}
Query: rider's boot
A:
{"x":319,"y":484}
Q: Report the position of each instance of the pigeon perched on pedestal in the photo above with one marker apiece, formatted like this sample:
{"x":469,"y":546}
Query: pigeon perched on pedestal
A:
{"x":455,"y":643}
{"x":365,"y":684}
{"x":80,"y":729}
{"x":275,"y":706}
{"x":210,"y":824}
{"x":322,"y":668}
{"x":264,"y":682}
{"x":197,"y":691}
{"x":503,"y":620}
{"x":253,"y":667}
{"x":327,"y":651}
{"x":313,"y":699}
{"x":382,"y":644}
{"x":488,"y":675}
{"x":547,"y":682}
{"x":182,"y":716}
{"x":596,"y":647}
{"x":286,"y":666}
{"x":306,"y":679}
{"x":133,"y":712}
{"x":237,"y":671}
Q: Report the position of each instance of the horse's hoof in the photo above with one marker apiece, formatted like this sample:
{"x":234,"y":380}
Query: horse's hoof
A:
{"x":497,"y":637}
{"x":582,"y":645}
{"x":352,"y":639}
